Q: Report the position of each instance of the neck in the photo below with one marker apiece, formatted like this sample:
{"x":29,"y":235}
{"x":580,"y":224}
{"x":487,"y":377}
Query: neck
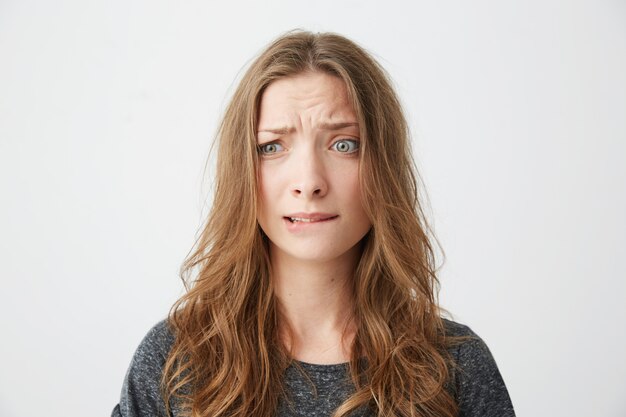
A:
{"x":316,"y":305}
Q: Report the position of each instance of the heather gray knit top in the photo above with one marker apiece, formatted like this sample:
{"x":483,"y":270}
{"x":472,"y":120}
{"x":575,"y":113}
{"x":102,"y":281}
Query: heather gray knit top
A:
{"x":478,"y":386}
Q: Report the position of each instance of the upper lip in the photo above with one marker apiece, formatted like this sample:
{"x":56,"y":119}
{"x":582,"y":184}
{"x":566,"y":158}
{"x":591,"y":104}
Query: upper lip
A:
{"x":311,"y":216}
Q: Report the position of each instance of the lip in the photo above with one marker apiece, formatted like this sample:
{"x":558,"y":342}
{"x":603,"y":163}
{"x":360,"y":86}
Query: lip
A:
{"x":313,"y":220}
{"x":314,"y":217}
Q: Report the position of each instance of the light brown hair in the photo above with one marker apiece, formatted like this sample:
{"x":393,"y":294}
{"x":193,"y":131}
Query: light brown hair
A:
{"x":227,"y":359}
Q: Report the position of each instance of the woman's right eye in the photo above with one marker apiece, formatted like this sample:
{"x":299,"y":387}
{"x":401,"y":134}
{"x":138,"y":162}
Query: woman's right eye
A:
{"x":270,"y":148}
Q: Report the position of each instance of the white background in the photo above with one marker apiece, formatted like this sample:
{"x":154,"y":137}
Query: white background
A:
{"x":108,"y":109}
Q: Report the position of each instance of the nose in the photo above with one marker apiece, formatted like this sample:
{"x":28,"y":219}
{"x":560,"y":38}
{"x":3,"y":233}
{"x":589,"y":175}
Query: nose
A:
{"x":309,"y":180}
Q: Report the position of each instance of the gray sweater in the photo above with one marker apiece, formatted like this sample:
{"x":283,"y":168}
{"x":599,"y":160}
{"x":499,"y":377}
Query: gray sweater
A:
{"x":478,"y":388}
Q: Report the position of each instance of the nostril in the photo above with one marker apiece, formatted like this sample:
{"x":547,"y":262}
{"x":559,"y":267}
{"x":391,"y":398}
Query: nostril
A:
{"x":312,"y":191}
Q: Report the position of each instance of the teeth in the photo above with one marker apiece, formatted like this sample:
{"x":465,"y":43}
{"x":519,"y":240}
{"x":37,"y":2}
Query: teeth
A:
{"x":298,"y":219}
{"x":306,"y":220}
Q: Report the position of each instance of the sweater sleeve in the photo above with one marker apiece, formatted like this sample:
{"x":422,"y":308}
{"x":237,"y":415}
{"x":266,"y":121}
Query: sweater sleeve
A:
{"x":141,"y":395}
{"x":481,"y":391}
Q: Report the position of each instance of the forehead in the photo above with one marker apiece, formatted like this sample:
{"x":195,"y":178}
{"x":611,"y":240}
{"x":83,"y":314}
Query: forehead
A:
{"x":314,"y":96}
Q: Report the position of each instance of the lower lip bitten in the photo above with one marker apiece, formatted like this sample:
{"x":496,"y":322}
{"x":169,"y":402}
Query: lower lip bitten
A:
{"x":298,"y":224}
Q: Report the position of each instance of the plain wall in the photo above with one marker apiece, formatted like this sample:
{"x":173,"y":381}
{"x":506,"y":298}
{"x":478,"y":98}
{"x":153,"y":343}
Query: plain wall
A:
{"x":108,"y":110}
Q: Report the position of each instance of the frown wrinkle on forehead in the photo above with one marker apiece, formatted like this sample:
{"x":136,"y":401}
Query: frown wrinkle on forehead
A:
{"x":322,"y":126}
{"x":307,"y":101}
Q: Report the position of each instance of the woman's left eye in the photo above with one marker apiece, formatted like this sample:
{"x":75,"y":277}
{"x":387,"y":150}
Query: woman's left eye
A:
{"x":346,"y":146}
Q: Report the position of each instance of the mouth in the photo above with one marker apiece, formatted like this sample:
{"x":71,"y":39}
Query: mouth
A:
{"x":314,"y":219}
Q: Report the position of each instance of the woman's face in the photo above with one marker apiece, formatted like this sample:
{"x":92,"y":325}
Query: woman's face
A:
{"x":308,"y":139}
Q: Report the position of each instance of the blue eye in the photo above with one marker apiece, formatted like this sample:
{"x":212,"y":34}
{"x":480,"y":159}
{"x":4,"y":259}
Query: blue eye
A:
{"x":270,"y":148}
{"x":346,"y":146}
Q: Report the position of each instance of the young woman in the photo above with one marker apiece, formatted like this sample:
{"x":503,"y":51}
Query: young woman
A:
{"x":314,"y":290}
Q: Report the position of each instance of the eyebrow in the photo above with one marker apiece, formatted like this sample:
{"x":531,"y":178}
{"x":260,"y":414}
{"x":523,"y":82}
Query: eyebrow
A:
{"x":324,"y":126}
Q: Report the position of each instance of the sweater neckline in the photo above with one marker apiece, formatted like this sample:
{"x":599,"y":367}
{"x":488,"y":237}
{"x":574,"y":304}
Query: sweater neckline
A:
{"x":315,"y":367}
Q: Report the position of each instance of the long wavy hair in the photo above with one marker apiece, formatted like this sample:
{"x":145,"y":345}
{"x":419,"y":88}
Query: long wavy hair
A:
{"x":228,"y":358}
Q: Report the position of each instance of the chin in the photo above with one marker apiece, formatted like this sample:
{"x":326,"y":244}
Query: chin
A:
{"x":318,"y":253}
{"x":321,"y":256}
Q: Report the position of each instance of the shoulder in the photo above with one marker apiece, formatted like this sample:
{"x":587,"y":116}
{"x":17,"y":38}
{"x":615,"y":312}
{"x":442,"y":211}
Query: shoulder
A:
{"x":141,"y":390}
{"x":456,"y":329}
{"x":149,"y":358}
{"x":153,"y":349}
{"x":157,"y":342}
{"x":479,"y":386}
{"x":472,"y":349}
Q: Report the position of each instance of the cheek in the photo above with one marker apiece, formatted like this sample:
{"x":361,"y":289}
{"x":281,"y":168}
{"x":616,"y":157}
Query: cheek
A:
{"x":354,"y":193}
{"x":267,"y":190}
{"x":263,"y":176}
{"x":348,"y":185}
{"x":348,"y":190}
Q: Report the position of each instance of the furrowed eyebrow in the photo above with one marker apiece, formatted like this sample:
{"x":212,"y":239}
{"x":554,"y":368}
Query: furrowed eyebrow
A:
{"x":324,"y":126}
{"x":278,"y":130}
{"x":337,"y":126}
